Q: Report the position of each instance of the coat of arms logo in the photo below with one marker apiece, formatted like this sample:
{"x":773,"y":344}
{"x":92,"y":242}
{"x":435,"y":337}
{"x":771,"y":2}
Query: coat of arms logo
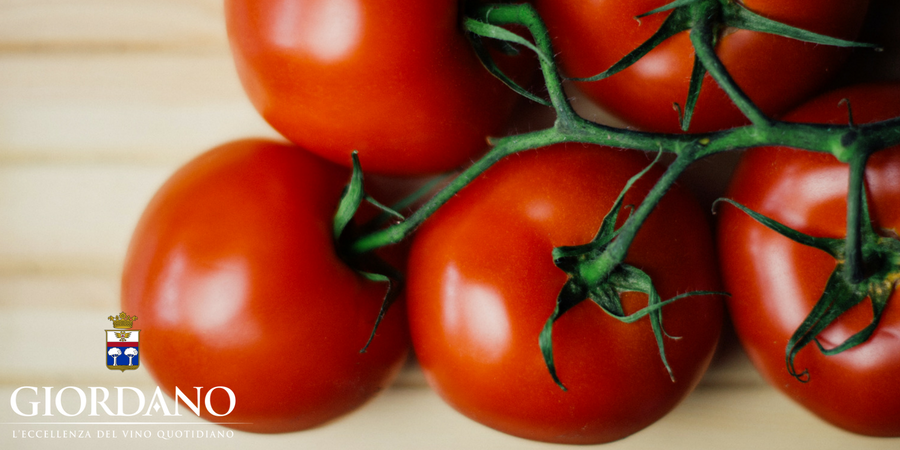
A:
{"x":122,"y":344}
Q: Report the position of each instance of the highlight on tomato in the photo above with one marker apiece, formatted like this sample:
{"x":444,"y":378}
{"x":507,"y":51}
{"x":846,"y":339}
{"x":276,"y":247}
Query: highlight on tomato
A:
{"x":776,"y":72}
{"x":233,"y":272}
{"x":482,"y":284}
{"x":402,"y":85}
{"x":847,"y":372}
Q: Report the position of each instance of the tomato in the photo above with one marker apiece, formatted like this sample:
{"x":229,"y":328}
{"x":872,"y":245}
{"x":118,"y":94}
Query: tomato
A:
{"x":482,"y":283}
{"x":775,"y":282}
{"x":777,"y":73}
{"x":402,"y":85}
{"x":233,"y":276}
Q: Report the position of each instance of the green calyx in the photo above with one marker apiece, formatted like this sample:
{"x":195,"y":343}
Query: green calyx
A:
{"x":594,"y":275}
{"x":597,"y":270}
{"x":477,"y":30}
{"x":880,"y":274}
{"x":705,"y":19}
{"x":380,"y":272}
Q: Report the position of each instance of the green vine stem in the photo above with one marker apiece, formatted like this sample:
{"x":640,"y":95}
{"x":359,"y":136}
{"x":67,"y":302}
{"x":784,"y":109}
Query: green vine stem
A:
{"x":855,"y":197}
{"x":842,"y":141}
{"x":703,"y":37}
{"x":851,"y":143}
{"x":599,"y":269}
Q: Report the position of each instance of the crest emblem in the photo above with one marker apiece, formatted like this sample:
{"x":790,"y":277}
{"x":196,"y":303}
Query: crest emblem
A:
{"x":123,"y":344}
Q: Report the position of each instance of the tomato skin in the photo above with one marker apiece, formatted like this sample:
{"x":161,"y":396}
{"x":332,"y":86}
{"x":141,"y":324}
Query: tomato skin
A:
{"x":777,"y":73}
{"x":482,"y":283}
{"x":233,"y":277}
{"x":775,"y":282}
{"x":400,"y":85}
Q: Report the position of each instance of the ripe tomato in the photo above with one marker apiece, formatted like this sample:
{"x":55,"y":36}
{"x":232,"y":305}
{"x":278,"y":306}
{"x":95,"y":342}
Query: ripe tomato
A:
{"x":233,"y":275}
{"x":775,"y":282}
{"x":482,"y":283}
{"x":776,"y":72}
{"x":401,"y":85}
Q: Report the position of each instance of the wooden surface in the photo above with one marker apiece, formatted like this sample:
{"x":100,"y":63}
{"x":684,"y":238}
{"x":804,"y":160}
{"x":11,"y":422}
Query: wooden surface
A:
{"x":100,"y":100}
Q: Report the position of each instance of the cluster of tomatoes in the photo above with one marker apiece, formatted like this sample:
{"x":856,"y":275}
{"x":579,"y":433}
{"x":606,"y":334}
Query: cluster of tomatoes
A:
{"x":236,"y":271}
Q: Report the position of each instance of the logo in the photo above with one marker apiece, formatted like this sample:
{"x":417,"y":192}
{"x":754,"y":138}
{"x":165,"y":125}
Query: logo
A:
{"x":122,"y":344}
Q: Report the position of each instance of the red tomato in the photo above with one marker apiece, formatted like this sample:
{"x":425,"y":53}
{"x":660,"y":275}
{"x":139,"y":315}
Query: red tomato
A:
{"x":776,"y":72}
{"x":482,"y":283}
{"x":233,"y":275}
{"x":401,"y":85}
{"x":775,"y":282}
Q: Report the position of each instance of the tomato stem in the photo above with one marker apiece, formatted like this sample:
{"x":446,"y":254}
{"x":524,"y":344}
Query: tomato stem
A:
{"x":867,"y":265}
{"x":504,"y":147}
{"x":840,"y":294}
{"x":706,"y":16}
{"x":855,"y":264}
{"x":841,"y":141}
{"x":525,"y":15}
{"x":593,"y":272}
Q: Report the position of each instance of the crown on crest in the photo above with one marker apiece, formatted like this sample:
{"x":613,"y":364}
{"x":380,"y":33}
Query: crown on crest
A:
{"x":122,"y":320}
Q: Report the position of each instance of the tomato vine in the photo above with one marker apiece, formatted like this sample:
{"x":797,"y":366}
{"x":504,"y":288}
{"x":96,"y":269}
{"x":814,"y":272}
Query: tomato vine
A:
{"x":850,"y":143}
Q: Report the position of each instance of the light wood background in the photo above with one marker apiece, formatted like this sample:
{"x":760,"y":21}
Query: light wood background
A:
{"x":100,"y":100}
